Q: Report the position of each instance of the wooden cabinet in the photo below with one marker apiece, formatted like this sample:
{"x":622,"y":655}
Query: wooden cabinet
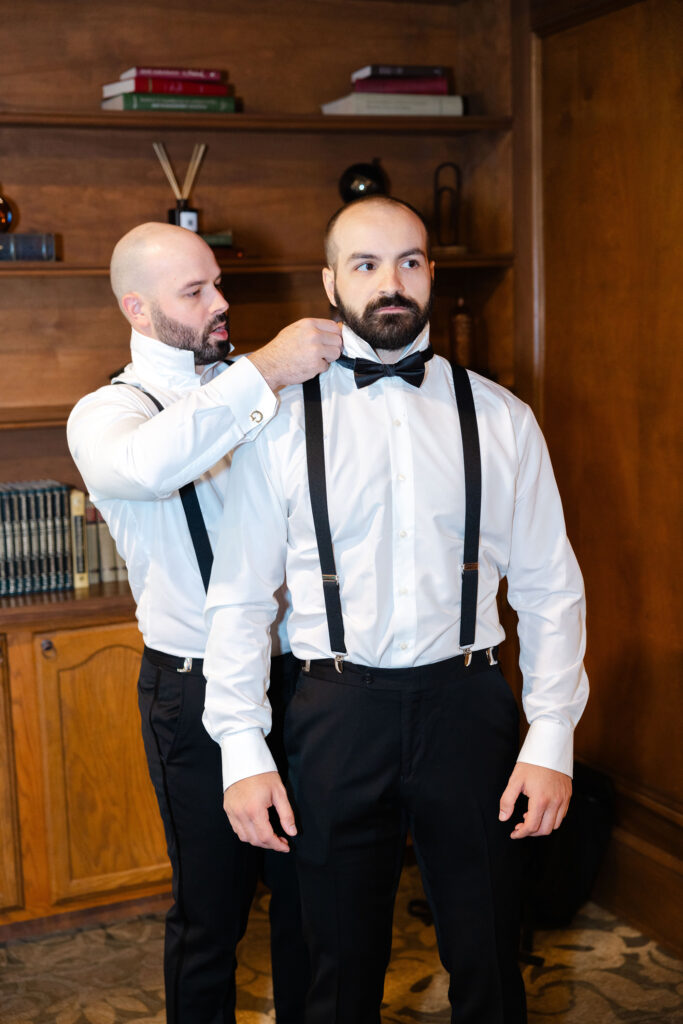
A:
{"x":79,"y":816}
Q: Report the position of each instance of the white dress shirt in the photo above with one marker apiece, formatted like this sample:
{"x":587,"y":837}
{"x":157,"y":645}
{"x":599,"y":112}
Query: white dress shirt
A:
{"x":395,"y":485}
{"x":133,"y":460}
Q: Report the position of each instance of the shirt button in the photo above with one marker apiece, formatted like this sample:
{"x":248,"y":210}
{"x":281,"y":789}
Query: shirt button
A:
{"x":404,"y":647}
{"x":403,"y":533}
{"x":397,"y":423}
{"x":403,"y":591}
{"x":400,"y":477}
{"x":256,"y":416}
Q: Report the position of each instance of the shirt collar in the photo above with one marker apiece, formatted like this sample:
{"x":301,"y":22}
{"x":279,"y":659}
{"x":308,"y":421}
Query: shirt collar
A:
{"x":355,"y":346}
{"x":170,"y":367}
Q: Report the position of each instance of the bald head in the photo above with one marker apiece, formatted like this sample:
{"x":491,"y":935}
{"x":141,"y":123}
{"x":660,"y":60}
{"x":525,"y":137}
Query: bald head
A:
{"x":356,"y":210}
{"x":148,"y":254}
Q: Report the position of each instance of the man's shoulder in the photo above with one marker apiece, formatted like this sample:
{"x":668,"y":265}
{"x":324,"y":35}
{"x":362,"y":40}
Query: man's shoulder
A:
{"x":488,"y":394}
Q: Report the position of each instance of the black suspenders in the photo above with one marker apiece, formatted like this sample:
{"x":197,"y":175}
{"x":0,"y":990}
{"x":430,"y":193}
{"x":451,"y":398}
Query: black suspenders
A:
{"x":317,"y":485}
{"x":193,"y":512}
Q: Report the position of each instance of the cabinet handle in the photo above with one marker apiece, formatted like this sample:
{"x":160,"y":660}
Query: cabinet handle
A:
{"x":48,"y":648}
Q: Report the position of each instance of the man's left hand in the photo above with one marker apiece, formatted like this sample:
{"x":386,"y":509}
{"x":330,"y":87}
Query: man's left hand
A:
{"x":549,"y":793}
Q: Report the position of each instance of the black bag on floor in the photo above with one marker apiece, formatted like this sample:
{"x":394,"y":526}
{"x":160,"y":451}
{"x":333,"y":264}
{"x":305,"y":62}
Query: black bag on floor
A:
{"x":560,"y":869}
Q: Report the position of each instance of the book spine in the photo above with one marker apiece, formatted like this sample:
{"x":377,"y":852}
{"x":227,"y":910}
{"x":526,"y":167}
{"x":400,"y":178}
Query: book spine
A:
{"x":50,"y":533}
{"x":59,"y":539}
{"x":41,"y":510}
{"x":417,"y":86}
{"x":65,"y":509}
{"x":400,"y":71}
{"x":189,"y":74}
{"x":3,"y":554}
{"x":20,"y":578}
{"x":25,"y":539}
{"x":27,"y":246}
{"x":180,"y":86}
{"x":79,"y":555}
{"x":8,"y":541}
{"x":107,"y":551}
{"x":159,"y":101}
{"x":91,"y":544}
{"x":32,"y":514}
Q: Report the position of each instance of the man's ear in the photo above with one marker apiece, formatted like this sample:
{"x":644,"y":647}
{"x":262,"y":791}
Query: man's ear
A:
{"x":328,"y":284}
{"x":135,"y":308}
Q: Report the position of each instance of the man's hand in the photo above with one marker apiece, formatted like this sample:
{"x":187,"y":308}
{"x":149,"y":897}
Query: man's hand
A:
{"x":246,"y":804}
{"x":549,"y":793}
{"x":298,"y":352}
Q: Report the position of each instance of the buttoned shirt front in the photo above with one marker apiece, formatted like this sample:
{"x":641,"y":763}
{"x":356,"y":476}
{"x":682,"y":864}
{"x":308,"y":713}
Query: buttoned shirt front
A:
{"x":133,"y":461}
{"x":395,"y":487}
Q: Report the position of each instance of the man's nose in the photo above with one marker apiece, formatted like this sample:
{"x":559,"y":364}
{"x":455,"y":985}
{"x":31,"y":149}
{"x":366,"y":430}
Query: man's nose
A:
{"x":220,"y":304}
{"x":390,"y":281}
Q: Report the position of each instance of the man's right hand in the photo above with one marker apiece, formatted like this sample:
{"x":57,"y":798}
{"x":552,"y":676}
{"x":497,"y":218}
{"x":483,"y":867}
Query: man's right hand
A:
{"x":247,"y":803}
{"x":298,"y":352}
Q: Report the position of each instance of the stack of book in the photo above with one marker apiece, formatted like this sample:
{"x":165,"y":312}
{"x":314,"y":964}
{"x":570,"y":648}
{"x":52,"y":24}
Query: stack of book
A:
{"x":195,"y":90}
{"x":403,"y":89}
{"x":43,"y":539}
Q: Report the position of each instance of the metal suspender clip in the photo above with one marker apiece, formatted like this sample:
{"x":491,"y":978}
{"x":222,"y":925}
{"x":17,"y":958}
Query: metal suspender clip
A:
{"x":339,"y":662}
{"x":467,"y":653}
{"x":330,"y":578}
{"x":187,"y":666}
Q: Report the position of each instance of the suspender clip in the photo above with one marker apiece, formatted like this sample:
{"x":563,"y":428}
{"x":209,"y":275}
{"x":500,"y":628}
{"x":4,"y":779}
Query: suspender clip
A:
{"x":330,"y":578}
{"x":491,"y":658}
{"x":339,"y":663}
{"x":468,"y":656}
{"x":187,"y":666}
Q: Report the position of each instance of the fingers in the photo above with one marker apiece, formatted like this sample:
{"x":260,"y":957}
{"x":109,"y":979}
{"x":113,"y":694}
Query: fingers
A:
{"x":246,"y":804}
{"x":285,"y":813}
{"x":509,"y":798}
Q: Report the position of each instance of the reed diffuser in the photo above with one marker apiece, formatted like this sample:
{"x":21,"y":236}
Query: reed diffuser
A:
{"x":182,"y":214}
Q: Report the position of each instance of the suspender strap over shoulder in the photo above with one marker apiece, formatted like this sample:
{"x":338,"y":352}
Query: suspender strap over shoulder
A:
{"x":472,"y":460}
{"x":315,"y":454}
{"x":192,"y":510}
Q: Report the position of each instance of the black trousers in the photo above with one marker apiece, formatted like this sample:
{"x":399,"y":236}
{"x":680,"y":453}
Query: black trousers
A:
{"x":214,"y":874}
{"x":373,"y":754}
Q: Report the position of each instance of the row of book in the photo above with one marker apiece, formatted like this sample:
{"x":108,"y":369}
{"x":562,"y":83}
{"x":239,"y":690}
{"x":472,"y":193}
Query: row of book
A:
{"x":400,"y":89}
{"x":50,"y":540}
{"x":194,"y":90}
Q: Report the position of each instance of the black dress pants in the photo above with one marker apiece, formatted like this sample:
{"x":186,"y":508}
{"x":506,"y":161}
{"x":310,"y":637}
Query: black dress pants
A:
{"x":214,"y":874}
{"x":372,"y":754}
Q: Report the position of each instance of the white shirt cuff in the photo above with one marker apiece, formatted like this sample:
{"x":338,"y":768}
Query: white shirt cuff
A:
{"x":549,"y":745}
{"x":251,"y":401}
{"x":245,"y":754}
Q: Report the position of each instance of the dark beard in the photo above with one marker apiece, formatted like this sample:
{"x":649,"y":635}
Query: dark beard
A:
{"x":390,"y":331}
{"x":179,"y":335}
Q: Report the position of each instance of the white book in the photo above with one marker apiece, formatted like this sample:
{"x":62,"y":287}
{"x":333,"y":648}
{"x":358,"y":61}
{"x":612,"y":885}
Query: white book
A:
{"x":387,"y":104}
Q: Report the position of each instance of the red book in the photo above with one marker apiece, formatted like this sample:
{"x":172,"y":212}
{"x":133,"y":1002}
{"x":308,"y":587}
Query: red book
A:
{"x":191,"y":74}
{"x":434,"y":86}
{"x":177,"y":86}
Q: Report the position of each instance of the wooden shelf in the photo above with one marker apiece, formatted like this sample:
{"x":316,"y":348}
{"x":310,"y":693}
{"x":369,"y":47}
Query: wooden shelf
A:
{"x":243,"y":266}
{"x":315,"y":124}
{"x":113,"y":599}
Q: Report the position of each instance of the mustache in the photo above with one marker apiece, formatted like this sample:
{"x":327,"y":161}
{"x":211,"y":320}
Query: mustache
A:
{"x":219,"y":321}
{"x":392,"y":300}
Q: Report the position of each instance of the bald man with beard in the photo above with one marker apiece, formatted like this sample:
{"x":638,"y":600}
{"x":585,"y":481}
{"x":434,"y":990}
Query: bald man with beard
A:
{"x":170,"y":419}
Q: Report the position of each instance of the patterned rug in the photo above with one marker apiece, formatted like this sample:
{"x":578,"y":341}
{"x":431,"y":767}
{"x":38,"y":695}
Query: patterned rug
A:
{"x":598,"y":972}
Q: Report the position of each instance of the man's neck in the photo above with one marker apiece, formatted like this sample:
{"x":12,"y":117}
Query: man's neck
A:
{"x":389,"y":355}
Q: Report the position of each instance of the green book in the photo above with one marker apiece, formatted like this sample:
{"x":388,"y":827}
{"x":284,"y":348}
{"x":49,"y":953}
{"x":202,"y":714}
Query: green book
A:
{"x":170,"y":101}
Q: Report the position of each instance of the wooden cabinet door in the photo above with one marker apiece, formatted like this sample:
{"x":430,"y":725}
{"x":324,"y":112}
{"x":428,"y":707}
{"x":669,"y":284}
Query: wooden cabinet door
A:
{"x":104,"y":833}
{"x":10,"y":875}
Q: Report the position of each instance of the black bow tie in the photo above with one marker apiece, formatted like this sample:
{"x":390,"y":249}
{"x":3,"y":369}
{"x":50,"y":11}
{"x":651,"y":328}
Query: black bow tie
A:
{"x":367,"y":371}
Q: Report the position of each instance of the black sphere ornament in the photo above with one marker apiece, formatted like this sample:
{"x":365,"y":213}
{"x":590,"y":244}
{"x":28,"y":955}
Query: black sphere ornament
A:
{"x":5,"y":214}
{"x":362,"y":180}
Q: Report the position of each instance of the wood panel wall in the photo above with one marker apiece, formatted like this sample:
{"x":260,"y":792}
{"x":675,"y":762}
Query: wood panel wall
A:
{"x":62,"y":336}
{"x":613,"y":213}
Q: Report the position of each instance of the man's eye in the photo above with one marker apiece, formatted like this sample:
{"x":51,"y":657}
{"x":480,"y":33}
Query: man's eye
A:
{"x":193,"y":293}
{"x":411,"y":263}
{"x":365,"y":266}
